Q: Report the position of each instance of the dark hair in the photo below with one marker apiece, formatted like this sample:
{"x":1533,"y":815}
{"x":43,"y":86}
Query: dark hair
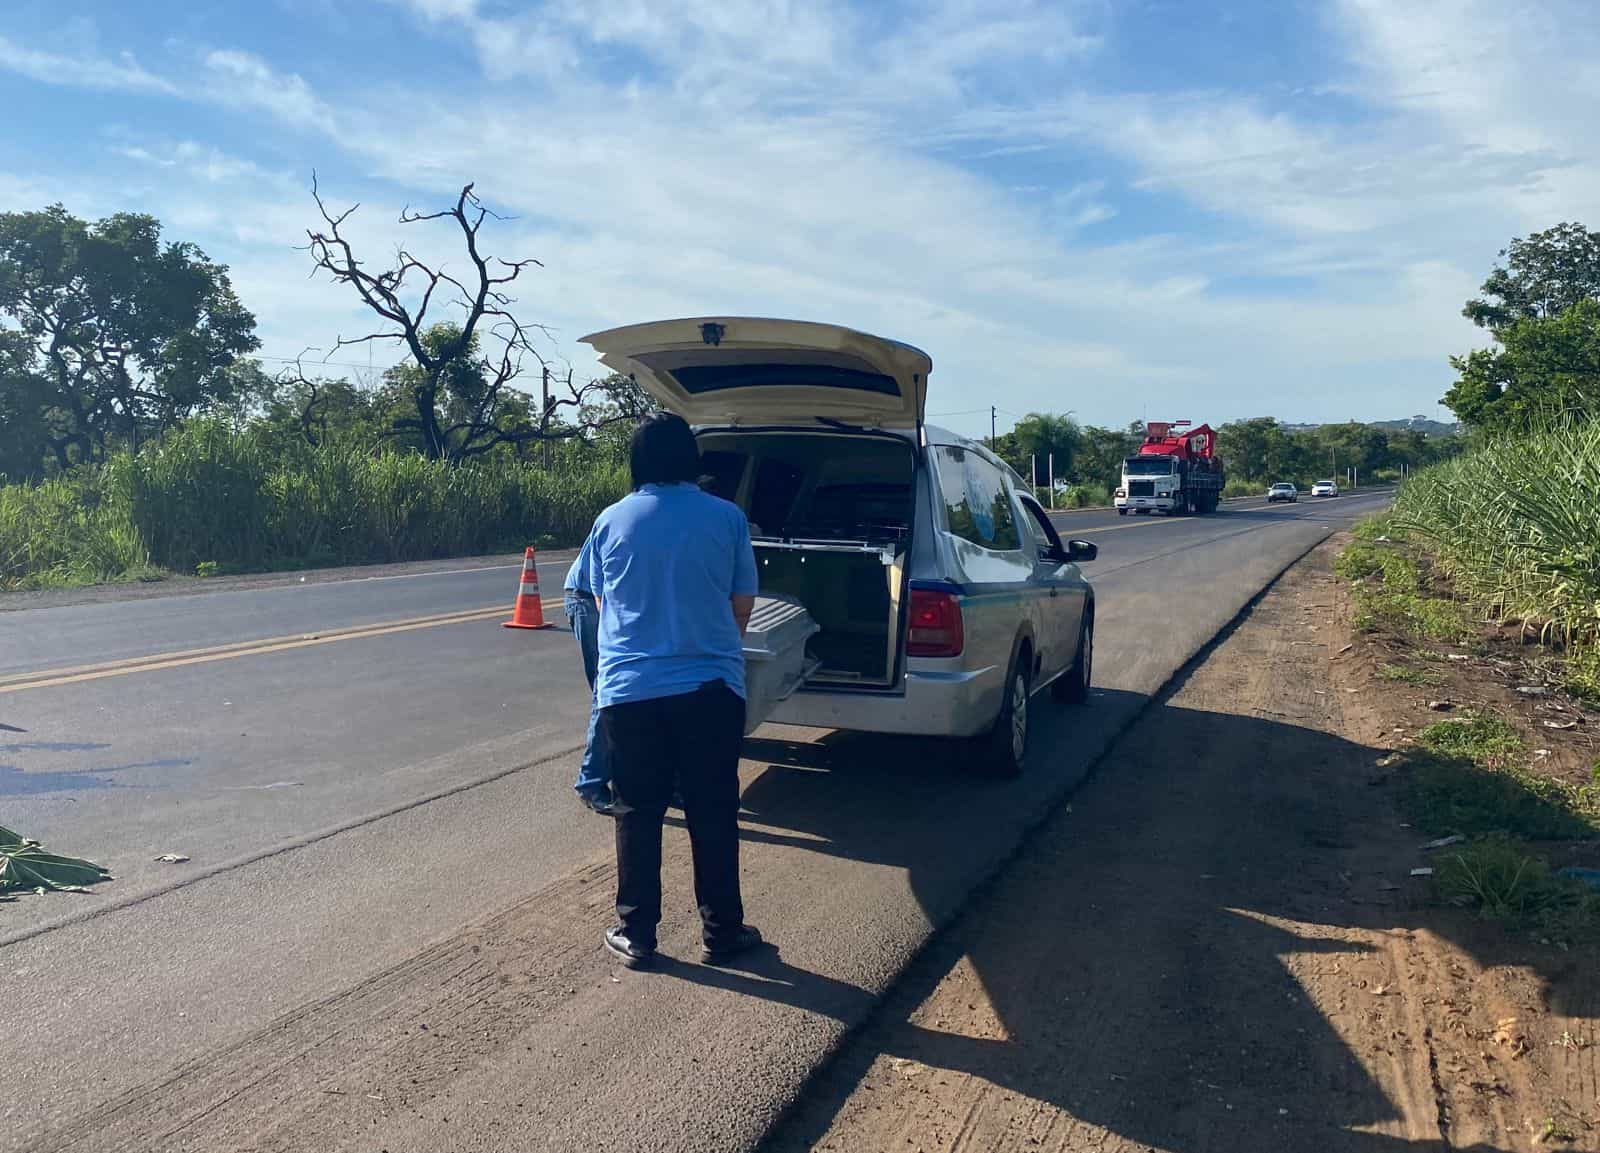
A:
{"x":663,"y":451}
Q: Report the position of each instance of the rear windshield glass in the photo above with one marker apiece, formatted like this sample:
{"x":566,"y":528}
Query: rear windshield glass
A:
{"x":699,"y":378}
{"x":721,"y":473}
{"x":814,"y":487}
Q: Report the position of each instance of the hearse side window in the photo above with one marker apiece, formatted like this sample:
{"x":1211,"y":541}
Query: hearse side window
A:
{"x":1052,"y":539}
{"x":976,"y":499}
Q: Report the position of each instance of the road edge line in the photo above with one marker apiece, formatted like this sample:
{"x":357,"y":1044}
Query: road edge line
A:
{"x":303,"y":841}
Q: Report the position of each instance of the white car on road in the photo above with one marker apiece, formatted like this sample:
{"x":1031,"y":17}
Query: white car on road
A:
{"x":1324,"y":488}
{"x":1283,"y":491}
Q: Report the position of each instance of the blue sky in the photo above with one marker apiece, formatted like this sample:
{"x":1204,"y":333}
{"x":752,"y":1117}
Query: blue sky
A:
{"x":1124,"y":209}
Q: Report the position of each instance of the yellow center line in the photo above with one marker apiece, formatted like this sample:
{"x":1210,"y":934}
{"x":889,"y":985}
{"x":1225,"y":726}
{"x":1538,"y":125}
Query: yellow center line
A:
{"x":1142,"y":522}
{"x":49,"y":678}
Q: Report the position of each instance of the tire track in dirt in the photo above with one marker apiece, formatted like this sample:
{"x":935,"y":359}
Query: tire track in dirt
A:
{"x":317,"y":1072}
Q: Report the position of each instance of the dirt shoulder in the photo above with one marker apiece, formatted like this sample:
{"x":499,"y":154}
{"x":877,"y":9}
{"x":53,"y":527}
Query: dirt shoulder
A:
{"x":1219,"y":946}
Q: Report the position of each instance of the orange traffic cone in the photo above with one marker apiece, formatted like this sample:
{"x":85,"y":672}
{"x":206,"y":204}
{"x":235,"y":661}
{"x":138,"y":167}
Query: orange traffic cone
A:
{"x":529,"y":612}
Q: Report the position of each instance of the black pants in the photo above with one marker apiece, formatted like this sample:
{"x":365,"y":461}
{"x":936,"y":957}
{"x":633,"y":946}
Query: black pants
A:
{"x":691,"y":742}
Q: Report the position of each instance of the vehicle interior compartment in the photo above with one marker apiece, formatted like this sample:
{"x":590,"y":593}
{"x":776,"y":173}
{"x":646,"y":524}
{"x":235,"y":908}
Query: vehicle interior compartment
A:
{"x":830,"y":518}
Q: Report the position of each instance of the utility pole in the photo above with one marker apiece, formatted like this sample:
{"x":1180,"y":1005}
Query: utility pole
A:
{"x":1052,"y":482}
{"x":991,"y":427}
{"x":544,"y":416}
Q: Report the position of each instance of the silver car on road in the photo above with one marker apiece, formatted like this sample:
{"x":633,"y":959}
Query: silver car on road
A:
{"x":946,"y":600}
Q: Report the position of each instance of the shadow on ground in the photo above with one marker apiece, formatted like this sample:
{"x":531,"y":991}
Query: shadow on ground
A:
{"x":1130,"y":970}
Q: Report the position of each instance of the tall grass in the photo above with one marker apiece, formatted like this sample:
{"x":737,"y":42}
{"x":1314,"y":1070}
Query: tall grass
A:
{"x":1516,"y":525}
{"x":1087,"y":495}
{"x":66,"y":531}
{"x":219,"y":498}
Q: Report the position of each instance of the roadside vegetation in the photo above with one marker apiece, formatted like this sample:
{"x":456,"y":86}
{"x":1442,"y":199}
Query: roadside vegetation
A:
{"x":1396,"y":584}
{"x":1474,"y":775}
{"x":1471,"y":777}
{"x":1507,"y":533}
{"x":141,"y":434}
{"x":1515,"y":527}
{"x":213,"y":500}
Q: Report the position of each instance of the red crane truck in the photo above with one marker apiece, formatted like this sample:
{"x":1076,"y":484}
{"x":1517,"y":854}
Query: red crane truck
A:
{"x":1176,"y":470}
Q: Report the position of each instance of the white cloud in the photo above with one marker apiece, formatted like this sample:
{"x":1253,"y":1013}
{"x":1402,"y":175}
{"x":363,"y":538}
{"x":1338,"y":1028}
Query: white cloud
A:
{"x":200,"y":161}
{"x":444,"y":9}
{"x":653,"y":199}
{"x":121,"y":74}
{"x":245,"y":79}
{"x":682,"y":156}
{"x":1513,"y":88}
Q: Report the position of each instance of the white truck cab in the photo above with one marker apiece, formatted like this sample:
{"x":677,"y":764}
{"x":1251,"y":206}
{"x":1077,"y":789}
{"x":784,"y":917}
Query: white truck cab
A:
{"x":1149,"y":484}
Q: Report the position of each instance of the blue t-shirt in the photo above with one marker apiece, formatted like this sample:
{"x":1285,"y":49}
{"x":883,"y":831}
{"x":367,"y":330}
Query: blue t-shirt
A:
{"x":578,"y":575}
{"x":665,"y":562}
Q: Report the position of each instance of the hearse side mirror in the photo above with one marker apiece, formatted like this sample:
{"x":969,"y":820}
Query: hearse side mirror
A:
{"x":1079,"y":551}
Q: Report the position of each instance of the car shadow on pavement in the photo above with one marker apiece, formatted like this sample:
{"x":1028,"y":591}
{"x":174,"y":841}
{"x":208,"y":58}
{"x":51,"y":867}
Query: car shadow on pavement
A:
{"x":1131,"y":968}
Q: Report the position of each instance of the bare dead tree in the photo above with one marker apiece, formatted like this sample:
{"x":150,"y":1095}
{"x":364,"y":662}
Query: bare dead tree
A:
{"x":310,"y":396}
{"x":489,"y":341}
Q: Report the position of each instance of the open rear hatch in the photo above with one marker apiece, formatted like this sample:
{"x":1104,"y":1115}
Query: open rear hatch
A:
{"x":813,"y":430}
{"x":732,"y":370}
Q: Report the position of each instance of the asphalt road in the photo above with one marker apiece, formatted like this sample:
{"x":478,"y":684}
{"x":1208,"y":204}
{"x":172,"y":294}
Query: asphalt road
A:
{"x":387,"y":934}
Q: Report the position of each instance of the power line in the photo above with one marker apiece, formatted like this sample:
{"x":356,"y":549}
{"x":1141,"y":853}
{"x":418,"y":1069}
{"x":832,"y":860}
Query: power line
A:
{"x":310,"y":360}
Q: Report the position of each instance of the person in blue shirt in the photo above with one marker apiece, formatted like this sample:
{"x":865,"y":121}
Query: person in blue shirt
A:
{"x":593,"y":785}
{"x":675,"y":577}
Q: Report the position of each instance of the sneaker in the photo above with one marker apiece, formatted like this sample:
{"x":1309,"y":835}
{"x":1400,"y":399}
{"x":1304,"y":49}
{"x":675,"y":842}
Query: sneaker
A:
{"x":747,"y":938}
{"x":632,"y":956}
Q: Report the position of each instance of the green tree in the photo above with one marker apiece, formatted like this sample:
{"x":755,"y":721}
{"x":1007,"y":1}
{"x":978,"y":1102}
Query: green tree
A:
{"x":1262,"y":451}
{"x":129,"y":334}
{"x":461,"y":410}
{"x":1101,"y":452}
{"x":301,"y":412}
{"x":23,"y":432}
{"x":1540,"y":304}
{"x":1246,"y":446}
{"x":1544,"y":274}
{"x":616,"y":405}
{"x":1413,"y":449}
{"x":1545,"y":365}
{"x":1336,"y":447}
{"x":1041,"y":435}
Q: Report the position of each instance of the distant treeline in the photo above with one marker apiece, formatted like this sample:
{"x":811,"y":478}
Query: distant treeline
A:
{"x":1088,"y":459}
